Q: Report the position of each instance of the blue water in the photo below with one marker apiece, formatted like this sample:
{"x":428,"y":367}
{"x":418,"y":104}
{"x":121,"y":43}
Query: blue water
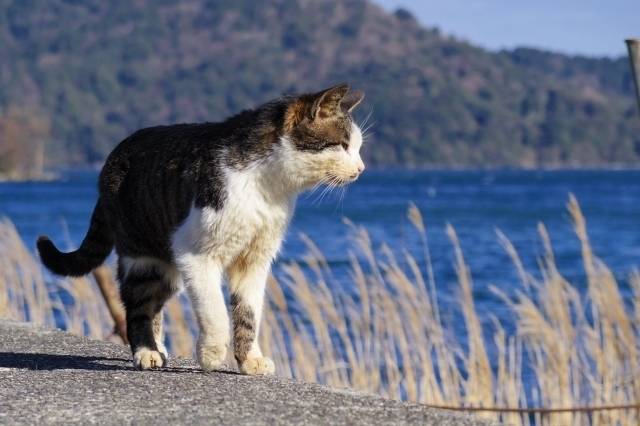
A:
{"x":476,"y":203}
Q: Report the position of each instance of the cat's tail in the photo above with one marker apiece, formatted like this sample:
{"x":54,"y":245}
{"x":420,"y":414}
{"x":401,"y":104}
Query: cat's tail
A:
{"x":95,"y":248}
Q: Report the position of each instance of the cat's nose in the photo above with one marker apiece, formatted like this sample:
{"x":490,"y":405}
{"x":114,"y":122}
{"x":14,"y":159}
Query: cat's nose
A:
{"x":360,"y":170}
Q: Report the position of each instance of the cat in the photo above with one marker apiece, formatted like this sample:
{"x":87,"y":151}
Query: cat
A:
{"x":188,"y":205}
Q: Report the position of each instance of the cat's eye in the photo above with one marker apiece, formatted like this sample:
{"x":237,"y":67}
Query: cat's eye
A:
{"x":345,"y":146}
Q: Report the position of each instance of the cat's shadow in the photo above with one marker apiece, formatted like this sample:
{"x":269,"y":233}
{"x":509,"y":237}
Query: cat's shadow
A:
{"x":40,"y":361}
{"x":48,"y":362}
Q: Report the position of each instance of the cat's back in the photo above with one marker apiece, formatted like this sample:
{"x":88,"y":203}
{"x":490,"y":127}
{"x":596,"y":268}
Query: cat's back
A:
{"x":153,"y":144}
{"x":158,"y":153}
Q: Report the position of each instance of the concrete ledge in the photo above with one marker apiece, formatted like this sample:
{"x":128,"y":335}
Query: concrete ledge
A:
{"x":54,"y":377}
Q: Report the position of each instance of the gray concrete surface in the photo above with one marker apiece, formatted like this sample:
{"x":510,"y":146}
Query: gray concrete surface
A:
{"x":52,"y":377}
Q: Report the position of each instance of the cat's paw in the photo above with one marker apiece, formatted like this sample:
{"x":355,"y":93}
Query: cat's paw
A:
{"x":212,"y":357}
{"x":146,"y":359}
{"x":163,"y":350}
{"x":258,"y":366}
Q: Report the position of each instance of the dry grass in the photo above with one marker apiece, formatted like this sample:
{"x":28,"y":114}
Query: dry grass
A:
{"x":383,"y":333}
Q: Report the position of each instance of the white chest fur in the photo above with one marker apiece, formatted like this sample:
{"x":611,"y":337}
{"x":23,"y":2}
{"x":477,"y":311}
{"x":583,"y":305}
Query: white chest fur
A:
{"x":251,"y":223}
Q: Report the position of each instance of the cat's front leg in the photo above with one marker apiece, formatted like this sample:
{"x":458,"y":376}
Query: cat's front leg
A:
{"x":247,"y":282}
{"x":202,"y":277}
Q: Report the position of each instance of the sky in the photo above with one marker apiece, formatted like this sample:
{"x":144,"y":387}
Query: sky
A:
{"x":585,"y":27}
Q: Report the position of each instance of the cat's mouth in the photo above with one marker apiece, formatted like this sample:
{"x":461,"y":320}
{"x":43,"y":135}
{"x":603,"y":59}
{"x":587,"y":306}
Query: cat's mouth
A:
{"x":346,"y":181}
{"x":338,"y":181}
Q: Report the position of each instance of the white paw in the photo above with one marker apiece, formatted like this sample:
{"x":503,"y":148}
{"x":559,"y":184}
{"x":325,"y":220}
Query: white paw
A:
{"x":145,"y":359}
{"x":211,"y":357}
{"x":163,"y":350}
{"x":258,"y":366}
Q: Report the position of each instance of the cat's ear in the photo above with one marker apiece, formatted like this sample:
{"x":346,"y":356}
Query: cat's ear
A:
{"x":327,"y":102}
{"x":351,"y":100}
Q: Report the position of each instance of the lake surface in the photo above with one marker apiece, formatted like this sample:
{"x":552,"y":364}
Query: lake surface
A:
{"x":476,"y":203}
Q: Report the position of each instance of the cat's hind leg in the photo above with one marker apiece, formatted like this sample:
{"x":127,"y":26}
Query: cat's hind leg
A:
{"x":146,"y":284}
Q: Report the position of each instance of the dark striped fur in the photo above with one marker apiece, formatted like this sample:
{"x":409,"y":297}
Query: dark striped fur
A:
{"x":244,"y":328}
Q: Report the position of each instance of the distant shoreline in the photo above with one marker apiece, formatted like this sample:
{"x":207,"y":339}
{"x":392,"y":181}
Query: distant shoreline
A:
{"x":57,"y":174}
{"x":32,"y":177}
{"x":542,"y":168}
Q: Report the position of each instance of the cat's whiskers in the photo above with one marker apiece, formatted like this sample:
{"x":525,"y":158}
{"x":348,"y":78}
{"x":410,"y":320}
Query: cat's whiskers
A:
{"x":321,"y":184}
{"x":366,"y":119}
{"x":340,"y":203}
{"x":332,"y":182}
{"x":315,"y":187}
{"x":366,"y":133}
{"x":327,"y":190}
{"x":318,"y":185}
{"x":337,"y":183}
{"x":365,"y":126}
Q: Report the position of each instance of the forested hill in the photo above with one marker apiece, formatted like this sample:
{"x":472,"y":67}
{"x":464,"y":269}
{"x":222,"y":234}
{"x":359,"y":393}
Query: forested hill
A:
{"x":77,"y":76}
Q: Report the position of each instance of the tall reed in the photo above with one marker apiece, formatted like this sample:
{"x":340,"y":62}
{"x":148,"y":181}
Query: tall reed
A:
{"x":382,"y":331}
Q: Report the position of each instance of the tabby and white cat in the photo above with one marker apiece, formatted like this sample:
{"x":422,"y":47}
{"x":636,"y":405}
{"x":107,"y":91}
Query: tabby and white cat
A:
{"x":193,"y":203}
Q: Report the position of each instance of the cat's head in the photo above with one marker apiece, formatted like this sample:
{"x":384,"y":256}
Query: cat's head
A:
{"x":323,"y":141}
